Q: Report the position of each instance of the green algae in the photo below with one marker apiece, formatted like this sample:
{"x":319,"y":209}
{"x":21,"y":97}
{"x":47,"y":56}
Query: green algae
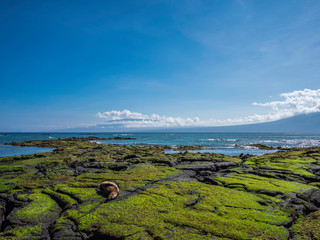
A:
{"x":307,"y":228}
{"x":23,"y":233}
{"x":64,"y":200}
{"x":80,"y":193}
{"x":254,"y":183}
{"x":296,"y":162}
{"x":157,"y":200}
{"x":41,"y":208}
{"x":164,"y":208}
{"x":139,"y":175}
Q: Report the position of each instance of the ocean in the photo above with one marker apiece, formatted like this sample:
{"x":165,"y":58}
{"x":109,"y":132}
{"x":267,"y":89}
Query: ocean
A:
{"x":226,"y":143}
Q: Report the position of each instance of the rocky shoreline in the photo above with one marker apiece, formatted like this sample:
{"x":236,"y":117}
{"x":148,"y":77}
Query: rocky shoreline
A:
{"x":162,"y":196}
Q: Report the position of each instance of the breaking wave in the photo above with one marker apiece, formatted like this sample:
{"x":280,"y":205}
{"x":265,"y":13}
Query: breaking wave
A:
{"x":221,"y":140}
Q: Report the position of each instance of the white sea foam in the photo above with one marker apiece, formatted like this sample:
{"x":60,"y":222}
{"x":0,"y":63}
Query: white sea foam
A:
{"x":121,"y":134}
{"x":220,"y":140}
{"x":270,"y":141}
{"x":302,"y":142}
{"x":295,"y":142}
{"x":241,"y":146}
{"x":208,"y":147}
{"x":248,"y":147}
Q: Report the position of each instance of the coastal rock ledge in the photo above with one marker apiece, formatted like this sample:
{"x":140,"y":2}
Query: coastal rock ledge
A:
{"x":183,"y":195}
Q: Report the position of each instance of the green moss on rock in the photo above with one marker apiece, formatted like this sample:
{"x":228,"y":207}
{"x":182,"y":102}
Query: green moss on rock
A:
{"x":307,"y":228}
{"x":254,"y":183}
{"x":23,"y":233}
{"x":42,"y":208}
{"x":169,"y":208}
{"x":158,"y":199}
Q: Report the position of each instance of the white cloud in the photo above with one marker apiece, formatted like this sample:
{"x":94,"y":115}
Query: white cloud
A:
{"x":294,"y":103}
{"x":134,"y":119}
{"x":119,"y":115}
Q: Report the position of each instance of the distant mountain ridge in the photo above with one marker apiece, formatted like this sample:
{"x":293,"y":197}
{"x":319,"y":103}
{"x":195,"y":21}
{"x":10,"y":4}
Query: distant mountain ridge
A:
{"x":306,"y":123}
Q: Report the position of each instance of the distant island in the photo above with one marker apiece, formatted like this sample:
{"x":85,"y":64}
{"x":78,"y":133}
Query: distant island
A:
{"x":305,"y":123}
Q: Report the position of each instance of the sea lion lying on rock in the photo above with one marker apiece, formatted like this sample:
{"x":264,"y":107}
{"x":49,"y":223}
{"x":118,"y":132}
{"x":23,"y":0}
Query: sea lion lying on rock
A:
{"x":109,"y":189}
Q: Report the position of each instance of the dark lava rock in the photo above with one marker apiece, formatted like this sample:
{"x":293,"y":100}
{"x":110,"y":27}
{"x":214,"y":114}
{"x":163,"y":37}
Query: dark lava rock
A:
{"x":315,"y":197}
{"x":311,"y":196}
{"x":307,"y":202}
{"x":2,"y":211}
{"x":225,"y":165}
{"x":91,"y":163}
{"x":197,"y":168}
{"x":245,"y":156}
{"x":118,"y":167}
{"x":66,"y":230}
{"x":207,"y":180}
{"x":270,"y":193}
{"x":301,"y":209}
{"x":316,"y":170}
{"x":205,"y":173}
{"x":121,"y":138}
{"x":130,"y":156}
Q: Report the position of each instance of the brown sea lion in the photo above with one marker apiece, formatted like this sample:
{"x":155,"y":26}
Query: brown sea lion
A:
{"x":110,"y":189}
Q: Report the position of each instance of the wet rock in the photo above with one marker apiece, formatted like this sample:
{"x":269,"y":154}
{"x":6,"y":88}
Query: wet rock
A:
{"x":65,"y":230}
{"x":270,"y":193}
{"x":130,"y":156}
{"x":311,"y":207}
{"x":208,"y":169}
{"x":2,"y":211}
{"x":263,"y":147}
{"x":189,"y":159}
{"x":263,"y":203}
{"x":198,"y":168}
{"x":190,"y":173}
{"x":9,"y":206}
{"x":315,"y":197}
{"x":297,"y":201}
{"x":245,"y":156}
{"x":83,"y":166}
{"x":164,"y":162}
{"x":300,"y":209}
{"x":207,"y":180}
{"x":205,"y":173}
{"x":118,"y":167}
{"x":225,"y":165}
{"x":311,"y":196}
{"x":311,"y":152}
{"x":306,"y":202}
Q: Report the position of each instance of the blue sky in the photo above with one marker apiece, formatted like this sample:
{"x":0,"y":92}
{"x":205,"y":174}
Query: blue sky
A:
{"x":81,"y":63}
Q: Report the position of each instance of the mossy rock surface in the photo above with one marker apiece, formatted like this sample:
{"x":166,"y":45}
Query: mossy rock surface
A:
{"x":259,"y":184}
{"x":41,"y":209}
{"x":162,"y":196}
{"x":307,"y":228}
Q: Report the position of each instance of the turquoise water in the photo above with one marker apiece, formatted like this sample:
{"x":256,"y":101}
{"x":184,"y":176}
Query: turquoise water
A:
{"x":225,"y":143}
{"x":8,"y":150}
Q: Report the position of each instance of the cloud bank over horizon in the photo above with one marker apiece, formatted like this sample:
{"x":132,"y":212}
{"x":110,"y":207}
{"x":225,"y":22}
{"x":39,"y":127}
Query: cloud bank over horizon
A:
{"x":293,"y":103}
